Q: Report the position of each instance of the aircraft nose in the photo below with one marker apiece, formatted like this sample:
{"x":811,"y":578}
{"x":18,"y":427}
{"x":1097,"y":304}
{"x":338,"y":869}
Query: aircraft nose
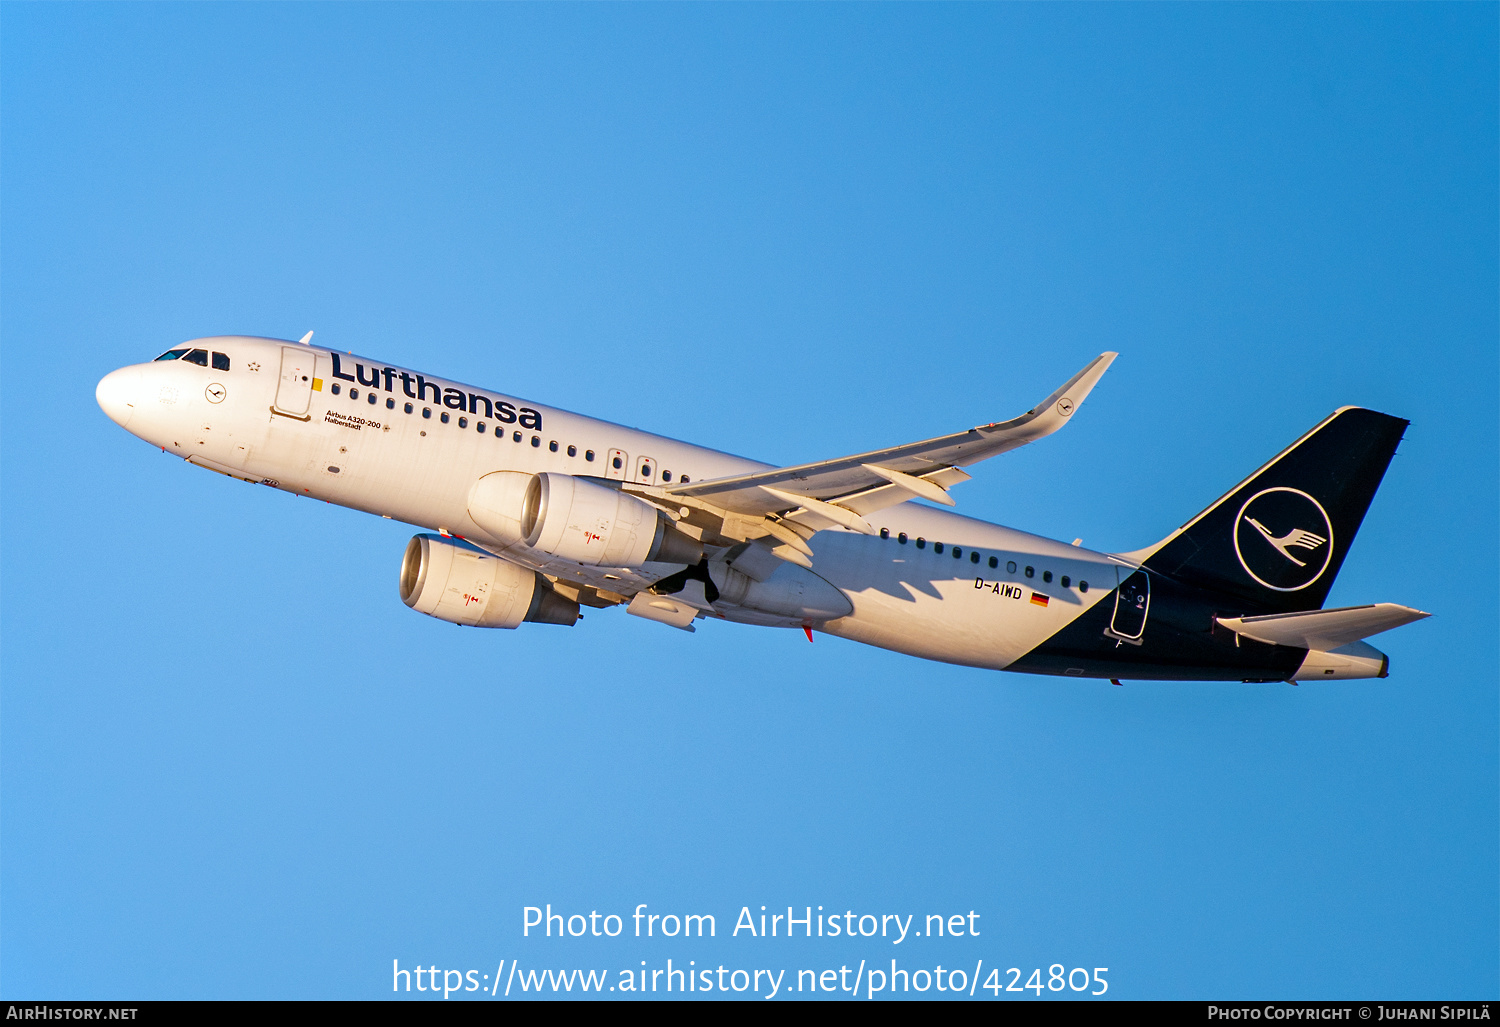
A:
{"x":117,"y":394}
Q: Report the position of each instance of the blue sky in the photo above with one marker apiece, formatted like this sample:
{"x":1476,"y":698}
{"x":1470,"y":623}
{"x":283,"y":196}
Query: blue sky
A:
{"x":232,"y":764}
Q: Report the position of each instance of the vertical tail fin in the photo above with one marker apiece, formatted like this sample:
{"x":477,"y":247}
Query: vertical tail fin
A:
{"x":1279,"y":538}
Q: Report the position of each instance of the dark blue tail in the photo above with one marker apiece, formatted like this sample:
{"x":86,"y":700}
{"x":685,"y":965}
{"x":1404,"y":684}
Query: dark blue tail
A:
{"x":1278,"y":540}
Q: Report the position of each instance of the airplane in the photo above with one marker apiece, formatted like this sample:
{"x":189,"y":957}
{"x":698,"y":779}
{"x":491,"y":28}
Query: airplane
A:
{"x":532,"y":513}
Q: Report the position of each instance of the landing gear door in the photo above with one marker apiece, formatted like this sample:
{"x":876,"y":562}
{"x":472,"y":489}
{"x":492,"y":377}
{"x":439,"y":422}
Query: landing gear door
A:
{"x":1132,"y":603}
{"x":294,"y":389}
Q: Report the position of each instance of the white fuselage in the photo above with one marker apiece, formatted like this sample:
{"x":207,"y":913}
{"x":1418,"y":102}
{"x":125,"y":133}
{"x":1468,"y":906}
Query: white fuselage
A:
{"x":275,"y":418}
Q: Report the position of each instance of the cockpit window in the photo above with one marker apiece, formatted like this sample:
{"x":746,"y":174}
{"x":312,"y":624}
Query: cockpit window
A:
{"x":198,"y":356}
{"x":221,"y":361}
{"x":172,"y":354}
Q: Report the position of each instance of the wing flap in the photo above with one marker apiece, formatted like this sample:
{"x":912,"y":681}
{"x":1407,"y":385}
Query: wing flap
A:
{"x":663,"y":609}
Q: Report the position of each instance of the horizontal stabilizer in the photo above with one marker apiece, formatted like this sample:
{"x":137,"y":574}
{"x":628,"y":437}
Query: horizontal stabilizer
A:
{"x":1323,"y":630}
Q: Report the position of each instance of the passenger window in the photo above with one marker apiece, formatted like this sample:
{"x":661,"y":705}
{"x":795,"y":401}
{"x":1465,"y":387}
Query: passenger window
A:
{"x":974,"y":558}
{"x":354,"y":394}
{"x":684,"y":479}
{"x":443,"y":417}
{"x":1031,"y":572}
{"x":515,"y":436}
{"x":1083,"y":586}
{"x":957,"y":553}
{"x":172,"y":354}
{"x":618,"y":464}
{"x":536,"y":443}
{"x":901,"y":538}
{"x":198,"y":356}
{"x":994,"y":561}
{"x":499,"y":432}
{"x":666,"y":475}
{"x":371,"y":398}
{"x":1065,"y":581}
{"x":921,"y":543}
{"x":221,"y":361}
{"x":589,"y":456}
{"x":390,"y":404}
{"x":1010,"y":566}
{"x":937,"y":547}
{"x":552,"y":445}
{"x":427,"y":412}
{"x":479,"y":427}
{"x":572,"y":450}
{"x":463,"y":422}
{"x":408,"y":406}
{"x":334,"y":388}
{"x":1047,"y":576}
{"x":885,"y":532}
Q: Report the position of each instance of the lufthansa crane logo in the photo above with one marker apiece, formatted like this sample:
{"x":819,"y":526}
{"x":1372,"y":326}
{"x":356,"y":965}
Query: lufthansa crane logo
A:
{"x":1283,"y":539}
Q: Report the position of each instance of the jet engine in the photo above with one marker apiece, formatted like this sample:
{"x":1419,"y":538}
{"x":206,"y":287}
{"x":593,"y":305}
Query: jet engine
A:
{"x":574,"y":519}
{"x":457,"y":582}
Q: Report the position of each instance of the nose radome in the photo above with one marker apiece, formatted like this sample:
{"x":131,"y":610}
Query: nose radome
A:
{"x":117,"y":394}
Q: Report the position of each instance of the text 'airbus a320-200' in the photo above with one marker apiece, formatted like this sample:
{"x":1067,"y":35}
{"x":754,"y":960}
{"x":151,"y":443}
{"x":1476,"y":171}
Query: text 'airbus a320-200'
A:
{"x":534,"y":512}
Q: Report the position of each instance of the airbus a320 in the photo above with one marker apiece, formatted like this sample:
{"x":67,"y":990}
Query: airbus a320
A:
{"x":533,"y":513}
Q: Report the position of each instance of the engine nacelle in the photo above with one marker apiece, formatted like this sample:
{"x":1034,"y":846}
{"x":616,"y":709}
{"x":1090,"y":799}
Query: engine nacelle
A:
{"x":463,"y":584}
{"x":577,"y":520}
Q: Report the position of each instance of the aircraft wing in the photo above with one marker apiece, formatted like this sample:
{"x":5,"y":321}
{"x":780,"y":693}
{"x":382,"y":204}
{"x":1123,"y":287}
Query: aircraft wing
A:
{"x":883,"y":477}
{"x":789,"y":504}
{"x":1323,"y":630}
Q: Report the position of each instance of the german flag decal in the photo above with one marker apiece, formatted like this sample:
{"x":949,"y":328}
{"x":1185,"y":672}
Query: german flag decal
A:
{"x":1038,"y":599}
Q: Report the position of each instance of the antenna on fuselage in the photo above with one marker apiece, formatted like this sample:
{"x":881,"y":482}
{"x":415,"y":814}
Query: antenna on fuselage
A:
{"x":306,"y":339}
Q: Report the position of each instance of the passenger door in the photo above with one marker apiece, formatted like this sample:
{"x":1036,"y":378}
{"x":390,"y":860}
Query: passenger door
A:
{"x":294,"y":389}
{"x":617,"y":464}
